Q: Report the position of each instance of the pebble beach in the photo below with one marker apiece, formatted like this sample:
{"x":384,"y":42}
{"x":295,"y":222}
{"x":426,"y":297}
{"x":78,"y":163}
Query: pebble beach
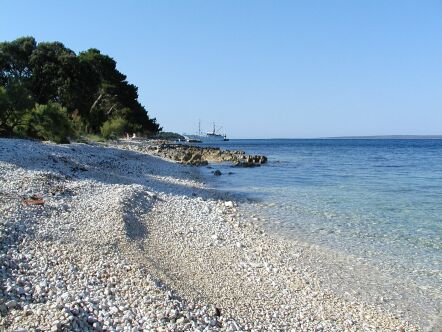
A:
{"x":112,"y":238}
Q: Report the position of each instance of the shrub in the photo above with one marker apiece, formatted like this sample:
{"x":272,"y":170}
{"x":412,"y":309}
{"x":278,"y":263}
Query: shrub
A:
{"x":15,"y":101}
{"x":48,"y":122}
{"x":114,"y":128}
{"x":79,"y":125}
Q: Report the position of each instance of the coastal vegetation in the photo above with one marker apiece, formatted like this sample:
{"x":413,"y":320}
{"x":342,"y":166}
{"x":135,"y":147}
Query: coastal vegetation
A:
{"x":47,"y":91}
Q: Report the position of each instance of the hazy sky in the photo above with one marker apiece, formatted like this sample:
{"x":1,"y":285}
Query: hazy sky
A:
{"x":261,"y":68}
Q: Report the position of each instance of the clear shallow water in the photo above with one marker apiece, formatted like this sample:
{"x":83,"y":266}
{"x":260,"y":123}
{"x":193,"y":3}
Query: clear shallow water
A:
{"x":379,"y":200}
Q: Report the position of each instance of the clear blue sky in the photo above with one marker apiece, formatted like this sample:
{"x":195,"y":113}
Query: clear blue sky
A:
{"x":261,"y":68}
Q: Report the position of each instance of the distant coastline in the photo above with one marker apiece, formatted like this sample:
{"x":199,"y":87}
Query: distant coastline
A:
{"x":387,"y":137}
{"x":349,"y":137}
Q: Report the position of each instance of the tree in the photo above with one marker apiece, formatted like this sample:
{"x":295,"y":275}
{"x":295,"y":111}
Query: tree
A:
{"x":53,"y":72}
{"x":15,"y":101}
{"x":115,"y":95}
{"x":88,"y":85}
{"x":14,"y":60}
{"x":15,"y":74}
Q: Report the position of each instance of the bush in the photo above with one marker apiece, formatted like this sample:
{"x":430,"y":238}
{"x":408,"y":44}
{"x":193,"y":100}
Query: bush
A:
{"x":114,"y":128}
{"x":15,"y":102}
{"x":168,"y":135}
{"x":48,"y":122}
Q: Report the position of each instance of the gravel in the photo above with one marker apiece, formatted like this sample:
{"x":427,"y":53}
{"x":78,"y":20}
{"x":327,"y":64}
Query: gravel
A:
{"x":126,"y":241}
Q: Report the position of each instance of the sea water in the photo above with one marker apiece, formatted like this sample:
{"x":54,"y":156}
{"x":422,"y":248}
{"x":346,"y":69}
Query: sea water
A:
{"x":376,"y":200}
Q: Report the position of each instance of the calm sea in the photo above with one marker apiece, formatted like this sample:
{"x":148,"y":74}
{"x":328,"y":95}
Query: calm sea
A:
{"x":374,"y":199}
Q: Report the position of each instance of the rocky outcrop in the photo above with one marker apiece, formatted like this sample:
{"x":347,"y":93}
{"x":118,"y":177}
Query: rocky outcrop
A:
{"x":199,"y":156}
{"x":251,"y":161}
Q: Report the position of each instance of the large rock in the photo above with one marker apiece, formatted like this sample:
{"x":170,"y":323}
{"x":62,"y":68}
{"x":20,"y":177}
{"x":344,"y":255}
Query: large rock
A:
{"x":198,"y":156}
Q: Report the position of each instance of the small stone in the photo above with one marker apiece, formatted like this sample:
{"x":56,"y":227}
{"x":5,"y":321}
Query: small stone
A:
{"x":228,"y":204}
{"x":181,"y":320}
{"x":20,"y":329}
{"x":20,"y":290}
{"x":11,"y":304}
{"x":56,"y":326}
{"x":96,"y":326}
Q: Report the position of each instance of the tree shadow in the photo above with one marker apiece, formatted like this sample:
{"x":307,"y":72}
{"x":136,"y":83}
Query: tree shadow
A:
{"x":134,"y":224}
{"x":107,"y":165}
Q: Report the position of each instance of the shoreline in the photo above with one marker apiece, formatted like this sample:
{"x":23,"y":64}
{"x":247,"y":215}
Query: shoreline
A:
{"x":162,"y":226}
{"x":359,"y":279}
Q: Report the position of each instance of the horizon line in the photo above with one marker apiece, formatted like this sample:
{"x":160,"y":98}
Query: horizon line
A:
{"x":355,"y":137}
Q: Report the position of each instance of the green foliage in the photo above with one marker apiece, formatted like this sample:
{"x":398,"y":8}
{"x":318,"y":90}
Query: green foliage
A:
{"x":94,"y":138}
{"x":15,"y":100}
{"x":14,"y":59}
{"x":114,"y":128}
{"x":87,"y":85}
{"x":78,"y":124}
{"x":168,"y":135}
{"x":48,"y":122}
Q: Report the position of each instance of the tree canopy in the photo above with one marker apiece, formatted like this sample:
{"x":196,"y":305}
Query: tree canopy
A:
{"x":88,"y":87}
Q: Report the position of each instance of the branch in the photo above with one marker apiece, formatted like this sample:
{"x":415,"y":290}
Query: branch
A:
{"x":96,"y":102}
{"x":9,"y":112}
{"x":111,"y":109}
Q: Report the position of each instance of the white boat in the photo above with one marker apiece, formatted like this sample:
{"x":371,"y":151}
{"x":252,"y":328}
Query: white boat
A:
{"x":208,"y":137}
